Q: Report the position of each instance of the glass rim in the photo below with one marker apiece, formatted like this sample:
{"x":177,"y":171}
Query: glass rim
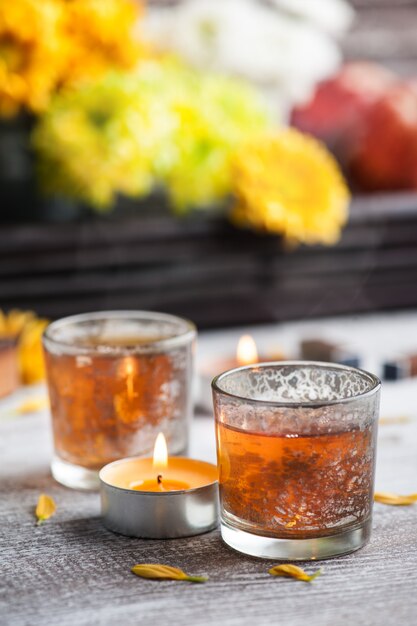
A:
{"x":182,"y":338}
{"x":376,"y":384}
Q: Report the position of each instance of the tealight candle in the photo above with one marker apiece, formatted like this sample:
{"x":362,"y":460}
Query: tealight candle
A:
{"x":159,"y":482}
{"x":246,"y":354}
{"x":159,"y":498}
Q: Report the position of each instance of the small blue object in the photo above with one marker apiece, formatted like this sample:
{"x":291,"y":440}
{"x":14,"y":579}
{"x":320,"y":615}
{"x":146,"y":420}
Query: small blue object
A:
{"x":350,"y":361}
{"x":394,"y":370}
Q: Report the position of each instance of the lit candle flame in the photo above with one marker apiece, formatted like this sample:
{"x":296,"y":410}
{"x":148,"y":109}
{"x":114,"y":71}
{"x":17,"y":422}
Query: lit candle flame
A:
{"x":160,"y":453}
{"x":246,"y":353}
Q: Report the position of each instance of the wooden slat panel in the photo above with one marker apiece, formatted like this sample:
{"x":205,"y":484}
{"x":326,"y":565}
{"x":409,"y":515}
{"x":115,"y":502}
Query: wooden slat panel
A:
{"x":210,"y":271}
{"x":184,"y":252}
{"x":246,"y":300}
{"x":363,"y":4}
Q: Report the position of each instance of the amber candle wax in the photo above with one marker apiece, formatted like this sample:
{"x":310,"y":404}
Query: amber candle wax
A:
{"x":116,"y":380}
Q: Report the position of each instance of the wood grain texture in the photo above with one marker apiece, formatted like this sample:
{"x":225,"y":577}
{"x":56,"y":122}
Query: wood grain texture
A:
{"x":73,"y":572}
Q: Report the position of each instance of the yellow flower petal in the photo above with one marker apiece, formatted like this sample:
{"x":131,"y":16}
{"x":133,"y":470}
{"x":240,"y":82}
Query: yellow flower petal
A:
{"x":287,"y":570}
{"x":395,"y":500}
{"x":155,"y":571}
{"x":32,"y":405}
{"x":45,"y":508}
{"x":395,"y":419}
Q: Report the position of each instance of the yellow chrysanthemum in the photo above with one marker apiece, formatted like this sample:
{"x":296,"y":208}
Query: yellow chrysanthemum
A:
{"x":288,"y":183}
{"x":30,"y":61}
{"x":27,"y":329}
{"x":12,"y":323}
{"x":31,"y":361}
{"x":100,"y":34}
{"x":45,"y":44}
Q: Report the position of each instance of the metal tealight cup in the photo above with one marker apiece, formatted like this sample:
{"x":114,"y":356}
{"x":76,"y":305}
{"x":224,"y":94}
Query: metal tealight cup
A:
{"x":151,"y":515}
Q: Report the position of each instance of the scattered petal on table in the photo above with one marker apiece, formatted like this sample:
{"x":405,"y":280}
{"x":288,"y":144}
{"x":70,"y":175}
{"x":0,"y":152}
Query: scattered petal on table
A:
{"x":395,"y":419}
{"x":32,"y":405}
{"x":45,"y":508}
{"x":287,"y":570}
{"x":394,"y":499}
{"x":156,"y":571}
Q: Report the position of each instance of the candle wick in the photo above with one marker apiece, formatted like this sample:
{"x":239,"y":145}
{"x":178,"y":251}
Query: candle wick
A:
{"x":159,"y":479}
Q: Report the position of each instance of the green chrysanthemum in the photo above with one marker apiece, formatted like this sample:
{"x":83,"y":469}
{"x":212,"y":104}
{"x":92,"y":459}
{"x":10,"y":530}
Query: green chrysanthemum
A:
{"x":213,"y":116}
{"x":98,"y":141}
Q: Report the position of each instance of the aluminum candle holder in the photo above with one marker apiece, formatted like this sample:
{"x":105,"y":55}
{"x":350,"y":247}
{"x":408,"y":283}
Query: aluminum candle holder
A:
{"x":130,"y":511}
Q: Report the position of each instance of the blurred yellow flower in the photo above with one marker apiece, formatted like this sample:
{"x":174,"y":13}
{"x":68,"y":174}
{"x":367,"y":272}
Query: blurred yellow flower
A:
{"x":47,"y":44}
{"x":30,"y":60}
{"x":31,"y":361}
{"x":27,"y":329}
{"x":99,"y":35}
{"x":288,"y":183}
{"x":13,"y":323}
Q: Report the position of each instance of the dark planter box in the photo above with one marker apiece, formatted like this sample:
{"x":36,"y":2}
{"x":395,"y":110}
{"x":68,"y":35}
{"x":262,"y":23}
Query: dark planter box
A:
{"x":206,"y":270}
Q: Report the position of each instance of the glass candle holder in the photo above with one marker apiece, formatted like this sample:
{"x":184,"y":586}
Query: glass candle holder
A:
{"x":296,"y":444}
{"x":116,"y":379}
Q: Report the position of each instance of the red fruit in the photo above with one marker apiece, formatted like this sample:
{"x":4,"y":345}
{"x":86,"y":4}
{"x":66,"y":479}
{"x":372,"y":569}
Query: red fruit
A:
{"x":339,"y":103}
{"x":384,"y":155}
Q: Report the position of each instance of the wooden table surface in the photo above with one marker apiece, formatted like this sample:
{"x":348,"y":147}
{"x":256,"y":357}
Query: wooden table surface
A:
{"x":73,"y":572}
